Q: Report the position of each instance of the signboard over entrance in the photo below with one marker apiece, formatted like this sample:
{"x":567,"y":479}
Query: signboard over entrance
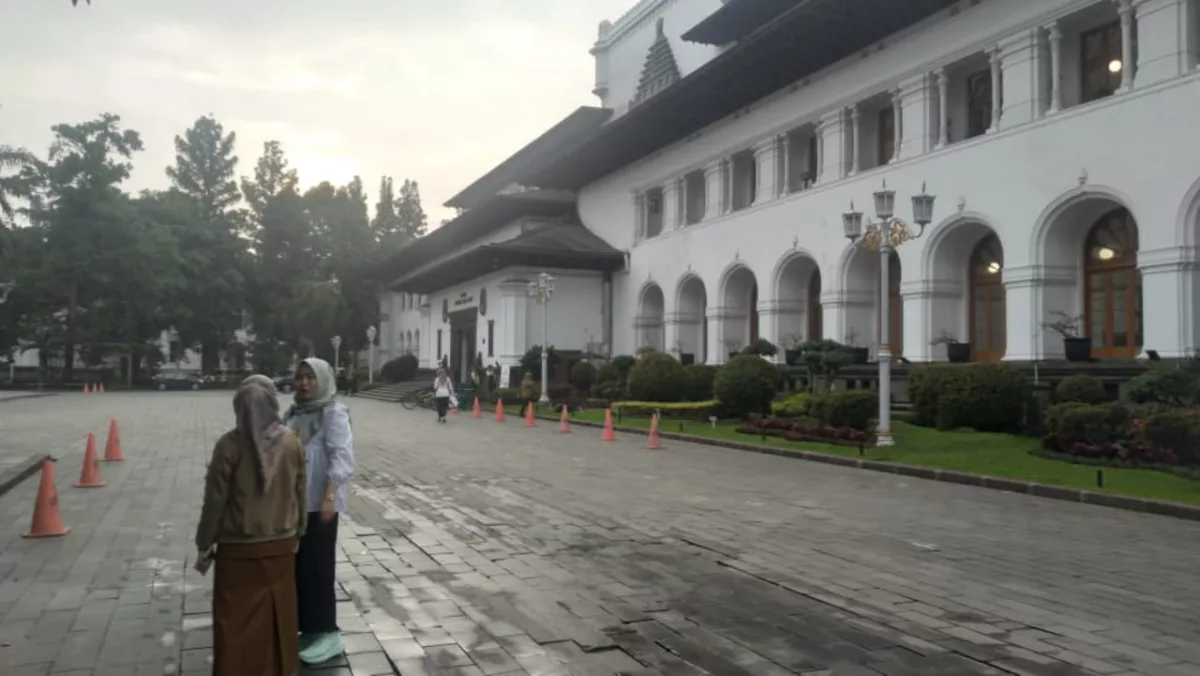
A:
{"x":464,"y":299}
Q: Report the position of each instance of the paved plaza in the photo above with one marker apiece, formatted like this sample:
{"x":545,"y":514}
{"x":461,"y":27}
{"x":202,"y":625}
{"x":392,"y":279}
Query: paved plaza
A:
{"x":479,"y":548}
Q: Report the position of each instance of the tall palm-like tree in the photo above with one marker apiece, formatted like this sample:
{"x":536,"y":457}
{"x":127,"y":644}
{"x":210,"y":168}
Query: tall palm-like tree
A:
{"x":10,"y":159}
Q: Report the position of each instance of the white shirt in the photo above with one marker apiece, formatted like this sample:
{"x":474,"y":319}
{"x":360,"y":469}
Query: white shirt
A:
{"x":442,"y":387}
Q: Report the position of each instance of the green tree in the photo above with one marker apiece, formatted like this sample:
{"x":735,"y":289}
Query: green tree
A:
{"x":411,"y":217}
{"x":213,"y":299}
{"x":385,"y":224}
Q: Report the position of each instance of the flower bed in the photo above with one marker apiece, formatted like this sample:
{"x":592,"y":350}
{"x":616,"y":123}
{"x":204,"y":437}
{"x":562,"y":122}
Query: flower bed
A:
{"x":796,"y":431}
{"x":1120,"y":458}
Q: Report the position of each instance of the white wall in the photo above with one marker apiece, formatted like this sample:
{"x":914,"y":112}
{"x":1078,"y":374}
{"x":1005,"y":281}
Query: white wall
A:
{"x":621,"y":55}
{"x":1021,"y":181}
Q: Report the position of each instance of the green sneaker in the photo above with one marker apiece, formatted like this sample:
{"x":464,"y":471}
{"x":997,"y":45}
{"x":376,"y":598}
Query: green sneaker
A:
{"x":324,"y":647}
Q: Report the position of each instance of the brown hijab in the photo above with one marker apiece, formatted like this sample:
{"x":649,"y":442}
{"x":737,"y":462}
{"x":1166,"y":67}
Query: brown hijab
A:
{"x":256,"y":406}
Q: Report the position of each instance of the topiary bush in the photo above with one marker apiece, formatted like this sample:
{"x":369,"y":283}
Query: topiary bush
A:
{"x":746,"y":385}
{"x":1081,"y":388}
{"x":1074,"y":422}
{"x":1167,"y":387}
{"x":1175,"y":431}
{"x":400,"y":369}
{"x":531,"y":361}
{"x":583,"y":376}
{"x":795,"y":406}
{"x":656,"y":377}
{"x":985,"y":397}
{"x":761,"y":347}
{"x":698,"y":382}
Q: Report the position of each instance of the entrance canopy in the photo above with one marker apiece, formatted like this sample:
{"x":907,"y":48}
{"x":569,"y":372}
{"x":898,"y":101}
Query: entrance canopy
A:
{"x":564,"y":246}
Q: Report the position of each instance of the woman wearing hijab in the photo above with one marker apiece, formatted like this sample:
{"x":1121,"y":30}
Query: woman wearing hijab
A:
{"x":443,"y":389}
{"x":323,"y":426}
{"x":253,"y":515}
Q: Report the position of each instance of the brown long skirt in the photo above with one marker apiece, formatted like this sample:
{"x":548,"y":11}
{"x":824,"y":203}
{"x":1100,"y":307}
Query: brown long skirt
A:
{"x":254,"y":610}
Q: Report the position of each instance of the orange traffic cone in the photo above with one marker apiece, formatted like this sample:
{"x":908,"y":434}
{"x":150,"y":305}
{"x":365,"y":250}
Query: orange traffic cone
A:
{"x":529,"y":421}
{"x":655,"y":441}
{"x":86,"y":388}
{"x":112,"y":447}
{"x":89,"y":477}
{"x":101,"y":388}
{"x":499,"y":410}
{"x":476,"y":412}
{"x":608,"y":434}
{"x":47,"y":522}
{"x":564,"y":427}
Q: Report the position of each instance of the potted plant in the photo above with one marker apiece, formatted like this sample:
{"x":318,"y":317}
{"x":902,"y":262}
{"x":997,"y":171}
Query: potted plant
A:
{"x":858,"y":355}
{"x":956,"y":352}
{"x":1076,"y":348}
{"x":685,"y":358}
{"x":763,"y":348}
{"x":791,"y":348}
{"x":733,"y":346}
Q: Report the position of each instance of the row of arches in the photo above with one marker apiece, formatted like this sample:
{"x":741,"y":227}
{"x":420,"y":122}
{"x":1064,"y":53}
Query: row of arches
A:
{"x":410,"y":342}
{"x":1094,"y":251}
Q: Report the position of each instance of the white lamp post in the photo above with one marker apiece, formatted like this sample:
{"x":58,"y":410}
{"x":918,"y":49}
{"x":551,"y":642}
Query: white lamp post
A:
{"x":336,"y":342}
{"x":542,"y":291}
{"x":371,"y":333}
{"x":885,"y":235}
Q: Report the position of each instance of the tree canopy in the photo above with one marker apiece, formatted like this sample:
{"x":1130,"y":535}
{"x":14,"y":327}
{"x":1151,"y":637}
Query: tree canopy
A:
{"x":251,"y":267}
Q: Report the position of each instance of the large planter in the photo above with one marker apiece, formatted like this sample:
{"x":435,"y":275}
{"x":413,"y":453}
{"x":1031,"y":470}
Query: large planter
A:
{"x":1078,"y":349}
{"x":958,"y":353}
{"x":791,"y":357}
{"x":687,"y":358}
{"x":860,"y":355}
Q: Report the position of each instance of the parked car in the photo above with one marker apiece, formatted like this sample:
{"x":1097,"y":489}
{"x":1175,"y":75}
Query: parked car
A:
{"x":177,"y":380}
{"x":285,"y":382}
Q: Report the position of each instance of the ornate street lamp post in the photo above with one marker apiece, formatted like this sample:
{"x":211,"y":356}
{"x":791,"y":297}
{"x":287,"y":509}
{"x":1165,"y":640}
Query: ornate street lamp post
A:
{"x":371,"y":333}
{"x":884,"y":236}
{"x":542,"y":291}
{"x":336,"y":342}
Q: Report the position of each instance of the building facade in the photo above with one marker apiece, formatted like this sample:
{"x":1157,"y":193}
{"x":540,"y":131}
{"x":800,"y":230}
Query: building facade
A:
{"x":1053,"y":134}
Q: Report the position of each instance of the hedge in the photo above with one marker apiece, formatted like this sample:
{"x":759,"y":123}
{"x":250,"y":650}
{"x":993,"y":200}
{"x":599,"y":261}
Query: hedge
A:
{"x":698,"y":382}
{"x":1081,"y":388}
{"x":847,"y":408}
{"x":985,"y":397}
{"x":699,"y":410}
{"x":400,"y":369}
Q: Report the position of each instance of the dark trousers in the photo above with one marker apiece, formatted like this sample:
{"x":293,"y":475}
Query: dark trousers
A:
{"x":315,"y":576}
{"x":443,"y":405}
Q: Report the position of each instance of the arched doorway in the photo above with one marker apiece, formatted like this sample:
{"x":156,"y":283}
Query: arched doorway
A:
{"x":408,"y":342}
{"x":794,"y":302}
{"x":649,"y":322}
{"x":860,"y":281}
{"x":693,"y":323}
{"x":987,"y":305}
{"x":1112,"y":300}
{"x":416,"y":343}
{"x":740,"y":320}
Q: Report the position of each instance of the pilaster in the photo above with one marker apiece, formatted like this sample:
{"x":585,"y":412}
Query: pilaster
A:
{"x":766,"y":159}
{"x":713,"y":189}
{"x":1170,"y":282}
{"x":672,"y":208}
{"x":639,"y":218}
{"x":1019,"y":78}
{"x":512,"y":320}
{"x":832,"y":144}
{"x":917,"y":104}
{"x":1165,"y":30}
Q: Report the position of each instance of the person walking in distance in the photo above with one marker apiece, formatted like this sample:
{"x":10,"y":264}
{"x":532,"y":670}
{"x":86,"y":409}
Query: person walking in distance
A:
{"x":323,"y":426}
{"x":251,"y":524}
{"x":443,"y":390}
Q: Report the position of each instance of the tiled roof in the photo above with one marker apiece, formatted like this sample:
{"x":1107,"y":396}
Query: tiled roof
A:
{"x":660,"y":70}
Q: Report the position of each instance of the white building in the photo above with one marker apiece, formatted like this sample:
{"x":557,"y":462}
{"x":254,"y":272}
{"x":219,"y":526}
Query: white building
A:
{"x":734,"y":135}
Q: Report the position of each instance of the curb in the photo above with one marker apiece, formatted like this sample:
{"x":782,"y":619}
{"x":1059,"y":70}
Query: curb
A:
{"x":36,"y":395}
{"x":1159,"y":507}
{"x":13,"y":476}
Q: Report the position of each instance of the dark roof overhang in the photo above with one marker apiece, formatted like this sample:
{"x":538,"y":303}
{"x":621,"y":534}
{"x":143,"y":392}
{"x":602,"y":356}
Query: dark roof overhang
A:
{"x":736,"y":19}
{"x":565,"y":246}
{"x":474,"y":224}
{"x":562,"y":138}
{"x":812,"y":35}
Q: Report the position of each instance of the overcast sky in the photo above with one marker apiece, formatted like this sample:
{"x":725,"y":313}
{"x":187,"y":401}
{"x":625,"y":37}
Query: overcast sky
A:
{"x":435,"y":90}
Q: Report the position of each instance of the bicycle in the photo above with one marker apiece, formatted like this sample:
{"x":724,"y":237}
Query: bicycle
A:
{"x":423,"y":397}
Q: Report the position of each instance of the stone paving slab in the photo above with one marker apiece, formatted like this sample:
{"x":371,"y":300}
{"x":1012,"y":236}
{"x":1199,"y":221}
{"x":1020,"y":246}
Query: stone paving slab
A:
{"x":477,"y":548}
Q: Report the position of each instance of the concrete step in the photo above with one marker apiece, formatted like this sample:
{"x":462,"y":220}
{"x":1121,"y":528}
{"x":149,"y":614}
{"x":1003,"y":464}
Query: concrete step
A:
{"x":393,"y":391}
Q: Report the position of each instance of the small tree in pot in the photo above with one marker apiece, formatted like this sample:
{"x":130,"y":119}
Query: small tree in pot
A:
{"x":1076,"y":347}
{"x":956,"y":352}
{"x":791,"y":348}
{"x":858,"y":355}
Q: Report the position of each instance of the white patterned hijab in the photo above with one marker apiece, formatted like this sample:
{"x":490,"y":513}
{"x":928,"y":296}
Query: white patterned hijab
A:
{"x":256,"y":406}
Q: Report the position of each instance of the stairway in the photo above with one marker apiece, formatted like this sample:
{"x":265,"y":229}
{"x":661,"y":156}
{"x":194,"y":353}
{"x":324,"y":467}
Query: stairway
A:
{"x":393,"y":392}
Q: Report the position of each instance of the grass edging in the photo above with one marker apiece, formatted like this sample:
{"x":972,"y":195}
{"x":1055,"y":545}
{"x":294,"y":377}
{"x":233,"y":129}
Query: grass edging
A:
{"x":14,"y":475}
{"x":1160,"y":507}
{"x":19,"y":397}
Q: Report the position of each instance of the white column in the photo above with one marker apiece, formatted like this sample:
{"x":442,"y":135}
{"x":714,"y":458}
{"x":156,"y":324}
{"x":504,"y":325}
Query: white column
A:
{"x":943,"y":88}
{"x":639,"y":219}
{"x":682,"y":201}
{"x":712,"y":190}
{"x":1125,"y":9}
{"x":832,"y":146}
{"x":917,"y":112}
{"x":716,"y":347}
{"x":855,"y":131}
{"x":898,"y":119}
{"x":1019,"y":79}
{"x":785,"y":161}
{"x":670,"y":214}
{"x":766,"y":170}
{"x":511,"y":323}
{"x":1165,"y":30}
{"x":1054,"y":34}
{"x":768,"y":326}
{"x":997,"y":89}
{"x":819,"y":130}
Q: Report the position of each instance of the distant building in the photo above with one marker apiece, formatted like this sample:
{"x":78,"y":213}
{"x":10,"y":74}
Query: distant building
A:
{"x":701,"y":207}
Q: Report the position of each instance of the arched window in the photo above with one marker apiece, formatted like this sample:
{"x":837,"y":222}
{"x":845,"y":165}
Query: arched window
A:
{"x":895,"y":309}
{"x":1112,"y":302}
{"x":987,"y":300}
{"x":816,"y":327}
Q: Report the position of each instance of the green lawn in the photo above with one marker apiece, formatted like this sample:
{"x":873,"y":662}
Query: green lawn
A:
{"x":998,"y":455}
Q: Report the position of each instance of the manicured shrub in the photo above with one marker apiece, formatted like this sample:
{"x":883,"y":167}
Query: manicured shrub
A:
{"x":1168,"y":387}
{"x":531,"y":361}
{"x":1093,"y":424}
{"x":583,"y":376}
{"x":795,"y":406}
{"x":847,"y":408}
{"x":985,"y":397}
{"x":609,"y":389}
{"x":698,"y":382}
{"x":1081,"y":388}
{"x":746,"y":385}
{"x":400,"y":369}
{"x":656,"y":377}
{"x":761,"y":347}
{"x":622,"y":363}
{"x":685,"y":410}
{"x":1175,"y":431}
{"x":608,"y":373}
{"x":559,"y":393}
